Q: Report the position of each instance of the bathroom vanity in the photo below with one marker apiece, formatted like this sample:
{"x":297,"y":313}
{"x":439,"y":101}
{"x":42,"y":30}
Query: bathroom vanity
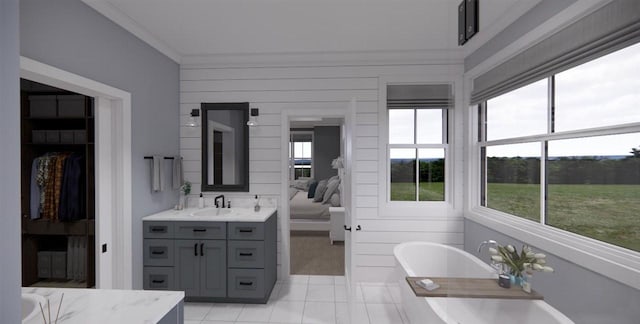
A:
{"x":213,"y":254}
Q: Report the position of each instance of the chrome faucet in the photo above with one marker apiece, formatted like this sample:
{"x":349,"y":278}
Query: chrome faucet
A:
{"x":489,"y":242}
{"x":215,"y":201}
{"x":498,"y":267}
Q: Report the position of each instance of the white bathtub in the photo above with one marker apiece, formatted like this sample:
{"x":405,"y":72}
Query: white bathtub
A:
{"x":422,"y":259}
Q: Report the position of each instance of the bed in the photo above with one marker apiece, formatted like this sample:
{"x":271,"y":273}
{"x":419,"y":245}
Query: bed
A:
{"x":307,"y":215}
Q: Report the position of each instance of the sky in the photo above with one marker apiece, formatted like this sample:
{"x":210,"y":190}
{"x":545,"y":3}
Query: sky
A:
{"x":599,"y":93}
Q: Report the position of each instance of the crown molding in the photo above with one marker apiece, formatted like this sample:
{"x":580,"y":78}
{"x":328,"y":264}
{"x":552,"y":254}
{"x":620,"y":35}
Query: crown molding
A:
{"x":117,"y":16}
{"x":351,"y":58}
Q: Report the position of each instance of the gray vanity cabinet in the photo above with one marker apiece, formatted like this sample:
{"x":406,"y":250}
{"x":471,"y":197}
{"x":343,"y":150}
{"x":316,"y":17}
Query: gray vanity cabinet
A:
{"x":201,"y":268}
{"x":211,"y":261}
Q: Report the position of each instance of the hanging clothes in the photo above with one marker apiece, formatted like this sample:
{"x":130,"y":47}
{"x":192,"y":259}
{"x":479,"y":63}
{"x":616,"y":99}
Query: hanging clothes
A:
{"x":58,"y":187}
{"x":34,"y":206}
{"x":72,"y":193}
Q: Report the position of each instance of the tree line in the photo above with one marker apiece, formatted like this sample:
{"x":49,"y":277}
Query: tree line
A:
{"x":565,"y":170}
{"x":404,"y":170}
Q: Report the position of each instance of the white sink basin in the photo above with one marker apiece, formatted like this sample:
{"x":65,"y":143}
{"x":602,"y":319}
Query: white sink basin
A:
{"x":212,"y":212}
{"x":31,"y":306}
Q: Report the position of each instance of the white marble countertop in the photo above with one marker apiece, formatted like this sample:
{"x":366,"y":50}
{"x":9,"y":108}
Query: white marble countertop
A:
{"x":212,"y":214}
{"x":97,"y":306}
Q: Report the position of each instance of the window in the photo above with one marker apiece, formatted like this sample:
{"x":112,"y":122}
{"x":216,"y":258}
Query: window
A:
{"x":300,"y":154}
{"x":565,"y":151}
{"x":417,"y":150}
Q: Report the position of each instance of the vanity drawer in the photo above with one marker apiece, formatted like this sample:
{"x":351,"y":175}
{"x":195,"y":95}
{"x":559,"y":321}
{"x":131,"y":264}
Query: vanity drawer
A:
{"x":246,"y":231}
{"x":200,"y":230}
{"x":245,"y":283}
{"x":245,"y":254}
{"x":157,"y":229}
{"x":158,"y":252}
{"x":158,"y":278}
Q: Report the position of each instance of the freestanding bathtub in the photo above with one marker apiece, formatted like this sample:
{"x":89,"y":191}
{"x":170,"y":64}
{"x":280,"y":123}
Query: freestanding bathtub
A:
{"x":423,"y":259}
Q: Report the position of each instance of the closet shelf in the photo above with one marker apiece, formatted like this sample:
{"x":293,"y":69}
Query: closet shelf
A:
{"x":59,"y":144}
{"x":58,"y":118}
{"x":46,"y":227}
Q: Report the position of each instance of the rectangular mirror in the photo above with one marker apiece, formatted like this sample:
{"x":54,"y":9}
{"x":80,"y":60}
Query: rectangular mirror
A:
{"x":225,"y":146}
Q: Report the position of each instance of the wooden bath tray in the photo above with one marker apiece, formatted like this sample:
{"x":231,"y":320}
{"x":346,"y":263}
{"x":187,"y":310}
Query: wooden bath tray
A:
{"x":470,"y":288}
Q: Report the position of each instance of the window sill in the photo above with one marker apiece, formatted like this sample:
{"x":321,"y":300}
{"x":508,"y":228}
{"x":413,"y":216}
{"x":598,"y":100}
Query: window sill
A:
{"x":608,"y":260}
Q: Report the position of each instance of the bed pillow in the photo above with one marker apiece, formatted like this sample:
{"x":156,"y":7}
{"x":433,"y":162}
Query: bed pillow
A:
{"x":335,"y":200}
{"x":312,"y":188}
{"x":332,"y":186}
{"x":320,"y":189}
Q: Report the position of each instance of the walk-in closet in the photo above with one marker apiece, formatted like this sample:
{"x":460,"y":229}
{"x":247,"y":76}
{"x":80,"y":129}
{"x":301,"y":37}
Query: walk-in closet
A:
{"x":58,"y":187}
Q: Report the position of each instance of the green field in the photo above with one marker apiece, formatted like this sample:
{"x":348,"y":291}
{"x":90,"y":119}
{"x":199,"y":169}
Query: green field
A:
{"x":610,"y":213}
{"x":429,"y":191}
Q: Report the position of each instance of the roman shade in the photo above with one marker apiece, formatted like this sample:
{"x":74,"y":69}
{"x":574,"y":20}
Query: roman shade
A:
{"x":409,"y":96}
{"x":612,"y":27}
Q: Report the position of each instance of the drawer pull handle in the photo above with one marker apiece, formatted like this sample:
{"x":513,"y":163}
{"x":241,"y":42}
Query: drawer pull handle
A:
{"x":195,"y":249}
{"x":157,"y":281}
{"x":246,"y":254}
{"x":159,"y":229}
{"x":199,"y":229}
{"x":157,"y":252}
{"x":246,"y":283}
{"x":202,"y":249}
{"x":246,"y":230}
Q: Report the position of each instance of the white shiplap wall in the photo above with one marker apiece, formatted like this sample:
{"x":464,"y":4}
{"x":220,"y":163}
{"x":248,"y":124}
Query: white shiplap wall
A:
{"x":272,"y":89}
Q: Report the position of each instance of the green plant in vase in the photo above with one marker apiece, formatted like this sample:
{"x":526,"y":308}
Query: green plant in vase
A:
{"x":185,"y":189}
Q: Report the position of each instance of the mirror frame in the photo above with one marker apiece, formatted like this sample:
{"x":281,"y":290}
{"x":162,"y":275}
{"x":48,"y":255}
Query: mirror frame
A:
{"x":205,"y":107}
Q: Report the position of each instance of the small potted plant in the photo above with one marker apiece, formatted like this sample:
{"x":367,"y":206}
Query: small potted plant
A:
{"x":517,"y":264}
{"x":185,"y":190}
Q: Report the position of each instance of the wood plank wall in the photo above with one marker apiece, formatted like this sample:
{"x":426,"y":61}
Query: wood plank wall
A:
{"x":272,"y":89}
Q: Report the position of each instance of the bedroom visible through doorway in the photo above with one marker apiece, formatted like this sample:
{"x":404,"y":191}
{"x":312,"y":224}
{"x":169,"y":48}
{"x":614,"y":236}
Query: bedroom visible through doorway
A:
{"x":316,"y":217}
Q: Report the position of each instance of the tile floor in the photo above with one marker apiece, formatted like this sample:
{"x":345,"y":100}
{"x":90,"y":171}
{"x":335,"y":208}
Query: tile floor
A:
{"x":308,"y":299}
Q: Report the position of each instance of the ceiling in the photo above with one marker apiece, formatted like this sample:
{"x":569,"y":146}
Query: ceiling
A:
{"x":203,"y":28}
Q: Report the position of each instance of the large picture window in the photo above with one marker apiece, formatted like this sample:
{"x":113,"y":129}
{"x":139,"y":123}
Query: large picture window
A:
{"x":565,"y":151}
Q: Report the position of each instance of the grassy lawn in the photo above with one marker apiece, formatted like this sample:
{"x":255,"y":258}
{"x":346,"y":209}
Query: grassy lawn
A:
{"x":406,"y":191}
{"x":610,"y":213}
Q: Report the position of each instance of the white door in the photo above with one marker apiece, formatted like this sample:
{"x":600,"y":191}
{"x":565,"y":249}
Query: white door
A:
{"x":350,"y":219}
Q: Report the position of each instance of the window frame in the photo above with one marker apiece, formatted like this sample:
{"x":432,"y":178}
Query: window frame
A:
{"x":292,"y":165}
{"x":417,"y":147}
{"x":610,"y":260}
{"x":377,"y":172}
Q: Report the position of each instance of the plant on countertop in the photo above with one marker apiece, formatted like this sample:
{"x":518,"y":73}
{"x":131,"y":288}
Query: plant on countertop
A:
{"x":518,"y":263}
{"x":185,"y":189}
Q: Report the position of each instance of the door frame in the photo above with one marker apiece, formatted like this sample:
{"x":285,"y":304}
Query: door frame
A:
{"x":114,"y":268}
{"x":286,"y":116}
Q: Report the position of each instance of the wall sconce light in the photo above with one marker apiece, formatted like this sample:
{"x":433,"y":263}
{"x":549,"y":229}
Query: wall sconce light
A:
{"x":252,"y":121}
{"x":195,"y":113}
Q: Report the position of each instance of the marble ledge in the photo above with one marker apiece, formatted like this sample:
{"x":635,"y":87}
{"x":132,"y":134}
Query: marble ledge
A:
{"x":213,"y":214}
{"x":107,"y":306}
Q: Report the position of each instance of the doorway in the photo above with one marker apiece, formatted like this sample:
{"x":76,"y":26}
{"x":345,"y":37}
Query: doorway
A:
{"x":346,"y":111}
{"x":113,"y":212}
{"x":317,"y":247}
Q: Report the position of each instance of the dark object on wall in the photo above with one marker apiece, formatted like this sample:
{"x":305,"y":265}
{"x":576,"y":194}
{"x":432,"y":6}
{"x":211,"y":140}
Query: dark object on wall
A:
{"x":225,"y":146}
{"x":462,"y":23}
{"x":467,"y":20}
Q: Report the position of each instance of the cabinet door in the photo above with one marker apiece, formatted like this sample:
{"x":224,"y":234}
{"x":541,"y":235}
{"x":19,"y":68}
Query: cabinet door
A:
{"x":187,"y":266}
{"x":213,"y":268}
